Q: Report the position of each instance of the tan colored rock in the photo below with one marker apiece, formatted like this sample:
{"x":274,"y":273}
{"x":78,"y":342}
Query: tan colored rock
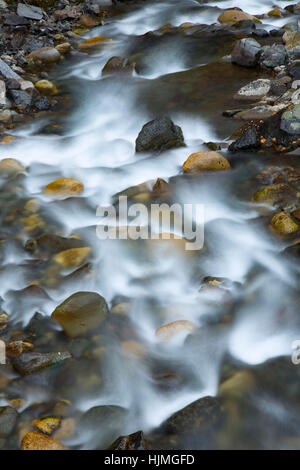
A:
{"x":234,"y":16}
{"x":45,"y":87}
{"x":94,"y":43}
{"x":47,"y":55}
{"x":170,"y":330}
{"x":16,"y":348}
{"x":284,"y":224}
{"x":39,"y":441}
{"x":47,"y":425}
{"x":63,"y":48}
{"x":10,"y":166}
{"x":72,"y":257}
{"x":134,"y":348}
{"x":205,"y":161}
{"x":64,"y":187}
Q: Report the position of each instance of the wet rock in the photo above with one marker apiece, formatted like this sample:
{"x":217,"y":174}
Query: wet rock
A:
{"x":293,"y":70}
{"x":170,"y":330}
{"x":10,"y":167}
{"x":274,"y":194}
{"x":47,"y":425}
{"x":117,"y":65}
{"x":16,"y":20}
{"x":21,"y":98}
{"x":254,"y":90}
{"x":135,"y":441}
{"x":8,"y":418}
{"x":66,"y":430}
{"x":80,"y":313}
{"x":246,"y":52}
{"x":45,"y":55}
{"x":43,"y":104}
{"x":290,"y":121}
{"x":194,"y":426}
{"x":63,"y":48}
{"x":94,"y":43}
{"x":284,"y":224}
{"x":159,"y":134}
{"x":279,"y":87}
{"x":258,"y":112}
{"x":3,"y":319}
{"x":232,"y":16}
{"x":104,"y":421}
{"x":52,"y":244}
{"x":39,"y":441}
{"x":29,"y":11}
{"x":205,"y":161}
{"x":274,"y":56}
{"x":72,"y":257}
{"x":13,"y":84}
{"x":64,"y":187}
{"x":16,"y":348}
{"x":45,"y":87}
{"x":279,"y":131}
{"x":31,"y":363}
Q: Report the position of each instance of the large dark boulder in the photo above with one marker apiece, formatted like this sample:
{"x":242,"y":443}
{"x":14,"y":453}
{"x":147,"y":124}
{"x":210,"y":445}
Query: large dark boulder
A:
{"x":159,"y":134}
{"x":246,"y":52}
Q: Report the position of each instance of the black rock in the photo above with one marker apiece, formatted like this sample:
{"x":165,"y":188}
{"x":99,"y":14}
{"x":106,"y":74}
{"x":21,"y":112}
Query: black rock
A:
{"x":248,"y":140}
{"x":31,"y":363}
{"x":294,"y":70}
{"x":8,"y":418}
{"x":15,"y":20}
{"x":159,"y":134}
{"x":260,"y":33}
{"x":135,"y":441}
{"x":246,"y":52}
{"x":274,"y":56}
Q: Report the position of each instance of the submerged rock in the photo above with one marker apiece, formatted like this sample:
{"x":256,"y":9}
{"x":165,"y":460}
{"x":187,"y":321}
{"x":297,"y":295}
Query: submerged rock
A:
{"x":51,"y":244}
{"x":205,"y":161}
{"x":10,"y":167}
{"x":72,"y":257}
{"x":30,"y":363}
{"x":274,"y":194}
{"x":159,"y":134}
{"x":80,"y":313}
{"x":46,"y":55}
{"x":105,"y":422}
{"x":135,"y":441}
{"x":170,"y":330}
{"x":46,"y":87}
{"x":8,"y":418}
{"x":246,"y":52}
{"x":39,"y":441}
{"x":94,"y":43}
{"x":118,"y":65}
{"x":64,"y":187}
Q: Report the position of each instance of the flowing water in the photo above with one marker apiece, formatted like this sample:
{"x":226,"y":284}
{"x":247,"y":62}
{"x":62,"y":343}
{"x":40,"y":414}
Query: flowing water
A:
{"x":93,"y":140}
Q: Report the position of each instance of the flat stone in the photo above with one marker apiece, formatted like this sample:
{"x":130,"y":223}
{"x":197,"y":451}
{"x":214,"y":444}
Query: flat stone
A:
{"x":31,"y":363}
{"x":16,"y":20}
{"x":29,"y":11}
{"x":7,"y":72}
{"x":254,"y":90}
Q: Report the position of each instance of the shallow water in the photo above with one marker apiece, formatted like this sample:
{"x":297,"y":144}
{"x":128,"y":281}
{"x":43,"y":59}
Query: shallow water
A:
{"x":95,"y":144}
